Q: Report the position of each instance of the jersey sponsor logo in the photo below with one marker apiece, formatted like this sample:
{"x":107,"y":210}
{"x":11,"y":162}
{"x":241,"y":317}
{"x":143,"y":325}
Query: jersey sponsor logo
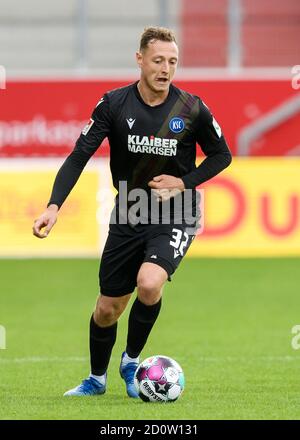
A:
{"x":217,"y":127}
{"x":88,"y":127}
{"x":152,"y":145}
{"x":130,"y":122}
{"x":176,"y":125}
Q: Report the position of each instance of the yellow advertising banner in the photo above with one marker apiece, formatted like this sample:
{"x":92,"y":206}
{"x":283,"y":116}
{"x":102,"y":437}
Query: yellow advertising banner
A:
{"x":251,"y":209}
{"x":23,"y":197}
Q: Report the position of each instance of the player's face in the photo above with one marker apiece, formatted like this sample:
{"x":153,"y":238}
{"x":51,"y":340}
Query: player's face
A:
{"x":158,"y":64}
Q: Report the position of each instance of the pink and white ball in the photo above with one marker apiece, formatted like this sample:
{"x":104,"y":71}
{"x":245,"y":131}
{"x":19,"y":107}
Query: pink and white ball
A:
{"x":159,"y":379}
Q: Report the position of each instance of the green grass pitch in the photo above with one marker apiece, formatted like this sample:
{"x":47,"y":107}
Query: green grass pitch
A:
{"x":226,"y":321}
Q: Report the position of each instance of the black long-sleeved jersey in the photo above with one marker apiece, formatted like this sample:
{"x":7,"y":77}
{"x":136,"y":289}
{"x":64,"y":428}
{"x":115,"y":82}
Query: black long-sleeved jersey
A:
{"x":147,"y":141}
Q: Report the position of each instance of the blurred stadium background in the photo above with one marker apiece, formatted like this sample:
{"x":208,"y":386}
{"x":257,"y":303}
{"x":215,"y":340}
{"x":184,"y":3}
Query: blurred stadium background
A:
{"x":243,"y":58}
{"x":237,"y":55}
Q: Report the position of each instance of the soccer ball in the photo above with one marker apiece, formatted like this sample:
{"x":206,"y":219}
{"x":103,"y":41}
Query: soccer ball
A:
{"x":159,"y":379}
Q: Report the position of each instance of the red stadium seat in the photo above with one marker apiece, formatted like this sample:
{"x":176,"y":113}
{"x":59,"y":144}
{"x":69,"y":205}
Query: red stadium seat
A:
{"x":204,"y":33}
{"x":270,"y":33}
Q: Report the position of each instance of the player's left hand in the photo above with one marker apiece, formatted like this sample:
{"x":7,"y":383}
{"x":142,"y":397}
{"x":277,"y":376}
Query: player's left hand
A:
{"x":165,"y":186}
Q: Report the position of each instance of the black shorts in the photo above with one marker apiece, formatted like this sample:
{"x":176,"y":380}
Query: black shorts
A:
{"x":128,"y":247}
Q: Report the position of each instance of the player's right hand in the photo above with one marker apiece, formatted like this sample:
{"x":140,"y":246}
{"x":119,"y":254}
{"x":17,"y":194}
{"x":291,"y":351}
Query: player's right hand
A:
{"x":47,"y":220}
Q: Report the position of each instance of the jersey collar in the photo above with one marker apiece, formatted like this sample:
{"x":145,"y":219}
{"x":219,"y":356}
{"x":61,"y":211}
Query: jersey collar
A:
{"x":137,"y":93}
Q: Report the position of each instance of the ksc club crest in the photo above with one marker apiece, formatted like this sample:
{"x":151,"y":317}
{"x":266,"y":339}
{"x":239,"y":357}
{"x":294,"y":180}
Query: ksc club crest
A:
{"x":176,"y":125}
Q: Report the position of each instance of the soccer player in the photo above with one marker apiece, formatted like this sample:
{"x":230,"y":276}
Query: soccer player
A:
{"x":153,"y":128}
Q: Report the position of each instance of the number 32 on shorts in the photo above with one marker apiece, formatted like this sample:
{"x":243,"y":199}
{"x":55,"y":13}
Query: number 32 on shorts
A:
{"x":180,"y":240}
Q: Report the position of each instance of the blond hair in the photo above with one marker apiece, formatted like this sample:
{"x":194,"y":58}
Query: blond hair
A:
{"x":152,"y":34}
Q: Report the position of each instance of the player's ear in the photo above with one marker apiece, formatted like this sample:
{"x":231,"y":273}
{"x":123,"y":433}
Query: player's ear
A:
{"x":139,"y":58}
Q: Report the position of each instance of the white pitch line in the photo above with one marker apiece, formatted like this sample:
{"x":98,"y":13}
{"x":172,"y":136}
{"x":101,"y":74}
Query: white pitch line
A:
{"x":37,"y":359}
{"x":250,"y":359}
